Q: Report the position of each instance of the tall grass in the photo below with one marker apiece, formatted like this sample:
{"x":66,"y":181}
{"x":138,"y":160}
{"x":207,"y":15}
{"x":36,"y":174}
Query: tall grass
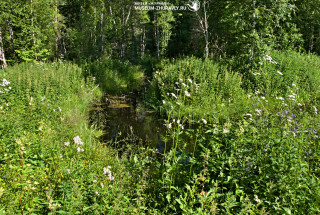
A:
{"x":255,"y":149}
{"x":51,"y":161}
{"x":116,"y":77}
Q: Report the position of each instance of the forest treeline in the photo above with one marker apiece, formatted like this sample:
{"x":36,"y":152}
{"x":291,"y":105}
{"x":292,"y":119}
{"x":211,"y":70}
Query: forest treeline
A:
{"x":75,"y":29}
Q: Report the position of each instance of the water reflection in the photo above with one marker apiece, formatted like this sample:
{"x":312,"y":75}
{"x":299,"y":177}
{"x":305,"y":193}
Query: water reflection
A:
{"x":121,"y":117}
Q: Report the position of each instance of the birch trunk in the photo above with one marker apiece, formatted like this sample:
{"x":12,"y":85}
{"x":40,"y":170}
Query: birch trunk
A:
{"x":2,"y":56}
{"x":102,"y":31}
{"x":11,"y":34}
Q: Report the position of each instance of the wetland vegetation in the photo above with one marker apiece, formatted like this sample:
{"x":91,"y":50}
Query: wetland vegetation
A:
{"x":105,"y":109}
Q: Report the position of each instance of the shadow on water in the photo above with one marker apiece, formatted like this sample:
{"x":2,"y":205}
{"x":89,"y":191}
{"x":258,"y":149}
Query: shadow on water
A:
{"x":126,"y":118}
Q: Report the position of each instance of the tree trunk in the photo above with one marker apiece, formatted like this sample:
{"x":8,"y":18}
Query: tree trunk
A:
{"x":204,"y":27}
{"x":157,"y":35}
{"x":11,"y":34}
{"x":33,"y":35}
{"x":206,"y":30}
{"x":102,"y":31}
{"x":56,"y":27}
{"x":143,"y":42}
{"x":2,"y":56}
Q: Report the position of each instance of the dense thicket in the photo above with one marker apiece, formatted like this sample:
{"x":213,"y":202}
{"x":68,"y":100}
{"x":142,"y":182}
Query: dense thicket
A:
{"x":74,"y":29}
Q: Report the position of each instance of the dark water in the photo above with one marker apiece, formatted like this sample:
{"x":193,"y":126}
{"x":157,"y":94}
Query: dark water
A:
{"x":122,"y":117}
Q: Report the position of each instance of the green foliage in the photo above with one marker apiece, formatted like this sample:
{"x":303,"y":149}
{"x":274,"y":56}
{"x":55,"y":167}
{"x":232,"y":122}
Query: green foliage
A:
{"x":116,"y":77}
{"x":200,"y":88}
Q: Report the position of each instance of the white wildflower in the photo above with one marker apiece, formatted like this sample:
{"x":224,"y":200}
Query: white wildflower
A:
{"x":190,"y":81}
{"x":204,"y":121}
{"x":80,"y":149}
{"x":225,"y":130}
{"x":257,"y":199}
{"x":77,"y":140}
{"x":66,"y":143}
{"x":279,"y":98}
{"x":174,"y":95}
{"x":259,"y":111}
{"x":187,"y":93}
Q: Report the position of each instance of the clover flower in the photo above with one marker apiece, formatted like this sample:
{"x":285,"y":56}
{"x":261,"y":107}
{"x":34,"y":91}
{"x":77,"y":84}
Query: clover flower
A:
{"x":187,"y":93}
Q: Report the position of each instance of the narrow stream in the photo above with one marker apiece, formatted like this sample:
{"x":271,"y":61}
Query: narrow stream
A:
{"x":121,"y":117}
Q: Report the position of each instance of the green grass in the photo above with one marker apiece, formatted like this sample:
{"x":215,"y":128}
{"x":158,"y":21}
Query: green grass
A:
{"x":240,"y":143}
{"x":116,"y":77}
{"x":39,"y":173}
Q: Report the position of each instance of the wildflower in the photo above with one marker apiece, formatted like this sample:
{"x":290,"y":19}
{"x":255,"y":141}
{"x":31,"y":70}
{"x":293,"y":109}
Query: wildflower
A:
{"x":256,"y":73}
{"x":60,"y":156}
{"x":106,"y":170}
{"x":178,"y":103}
{"x":248,"y":114}
{"x":204,"y":121}
{"x":68,"y":171}
{"x":174,"y":95}
{"x":94,"y":181}
{"x":163,"y":101}
{"x":190,"y":81}
{"x":184,"y":84}
{"x":59,"y":109}
{"x":169,"y":125}
{"x":5,"y":82}
{"x":187,"y":93}
{"x":225,"y":130}
{"x":178,"y":121}
{"x":80,"y":149}
{"x":77,"y":140}
{"x":256,"y":198}
{"x":279,"y":72}
{"x":279,"y":98}
{"x":66,"y":143}
{"x":101,"y":185}
{"x":97,"y":193}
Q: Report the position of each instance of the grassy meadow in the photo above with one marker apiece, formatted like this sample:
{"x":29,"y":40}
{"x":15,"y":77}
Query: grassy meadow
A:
{"x":240,"y":143}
